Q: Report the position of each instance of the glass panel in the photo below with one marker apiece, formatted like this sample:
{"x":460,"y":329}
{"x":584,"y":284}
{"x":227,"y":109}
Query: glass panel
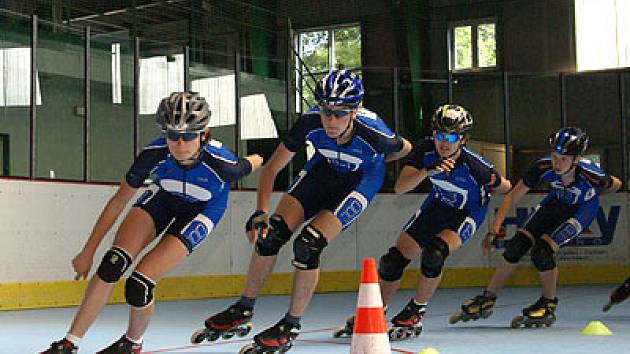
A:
{"x":482,"y":95}
{"x":532,"y":99}
{"x":626,"y":117}
{"x":111,"y":95}
{"x":347,"y":47}
{"x":15,"y":95}
{"x":463,"y":47}
{"x":592,"y":104}
{"x":487,"y":45}
{"x":60,"y":118}
{"x":314,"y":52}
{"x":264,"y":116}
{"x":161,"y":73}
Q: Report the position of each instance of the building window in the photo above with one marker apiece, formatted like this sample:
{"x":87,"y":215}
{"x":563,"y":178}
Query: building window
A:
{"x":473,"y":45}
{"x":602,"y":34}
{"x":318,"y":52}
{"x":15,"y":74}
{"x":116,"y":75}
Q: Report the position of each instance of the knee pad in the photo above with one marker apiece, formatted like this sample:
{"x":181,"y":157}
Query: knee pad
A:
{"x":433,"y":257}
{"x":542,"y":256}
{"x":516,"y":248}
{"x":277,"y":235}
{"x":307,"y":248}
{"x":139,"y":290}
{"x":392,"y":265}
{"x":114,"y":264}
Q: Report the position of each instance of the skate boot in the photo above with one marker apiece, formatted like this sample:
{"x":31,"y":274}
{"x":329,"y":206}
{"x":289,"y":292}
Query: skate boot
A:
{"x":278,"y":338}
{"x":61,"y":347}
{"x":539,"y":314}
{"x":122,"y":346}
{"x":345,"y":331}
{"x":475,"y":308}
{"x":408,"y":322}
{"x":236,"y":320}
{"x":620,"y":294}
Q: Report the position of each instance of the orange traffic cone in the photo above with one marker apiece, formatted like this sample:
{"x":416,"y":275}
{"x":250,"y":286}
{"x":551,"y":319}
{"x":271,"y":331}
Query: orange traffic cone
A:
{"x":370,"y":331}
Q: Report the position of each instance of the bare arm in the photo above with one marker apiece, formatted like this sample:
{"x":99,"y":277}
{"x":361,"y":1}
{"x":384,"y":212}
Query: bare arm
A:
{"x":400,"y":154}
{"x":275,"y":164}
{"x":510,"y":199}
{"x":256,"y":161}
{"x":504,"y":187}
{"x":83,"y":261}
{"x":614,"y":186}
{"x":409,"y":178}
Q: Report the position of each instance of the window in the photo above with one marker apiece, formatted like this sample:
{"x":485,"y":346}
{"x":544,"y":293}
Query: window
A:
{"x":473,"y":45}
{"x":116,"y":75}
{"x":602,"y":34}
{"x":320,"y":51}
{"x":15,"y":73}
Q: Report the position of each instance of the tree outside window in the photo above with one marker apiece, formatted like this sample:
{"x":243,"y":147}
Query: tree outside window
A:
{"x":473,"y":45}
{"x":317,"y":49}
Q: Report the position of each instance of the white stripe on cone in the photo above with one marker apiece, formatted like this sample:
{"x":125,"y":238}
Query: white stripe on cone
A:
{"x":369,"y":295}
{"x":377,"y":343}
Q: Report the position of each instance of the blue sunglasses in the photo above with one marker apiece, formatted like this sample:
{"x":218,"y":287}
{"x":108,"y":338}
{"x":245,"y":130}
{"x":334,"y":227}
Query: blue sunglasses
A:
{"x":451,"y":138}
{"x":339,"y":113}
{"x":188,"y":136}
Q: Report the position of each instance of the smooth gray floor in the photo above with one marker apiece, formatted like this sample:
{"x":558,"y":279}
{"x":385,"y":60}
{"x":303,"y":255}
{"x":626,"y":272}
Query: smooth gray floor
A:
{"x":173,"y":323}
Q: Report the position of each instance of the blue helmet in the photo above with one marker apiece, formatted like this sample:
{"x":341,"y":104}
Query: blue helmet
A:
{"x":569,"y":141}
{"x":339,"y":88}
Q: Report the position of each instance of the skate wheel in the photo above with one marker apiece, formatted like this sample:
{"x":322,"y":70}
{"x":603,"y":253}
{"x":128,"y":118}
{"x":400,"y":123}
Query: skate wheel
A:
{"x":198,"y":336}
{"x":340,"y":332}
{"x":486,"y":314}
{"x":517,"y":321}
{"x":417,"y":332}
{"x":244,"y":330}
{"x":248,"y":349}
{"x":456,"y":317}
{"x":213,"y":336}
{"x":528,"y":325}
{"x":228,"y":334}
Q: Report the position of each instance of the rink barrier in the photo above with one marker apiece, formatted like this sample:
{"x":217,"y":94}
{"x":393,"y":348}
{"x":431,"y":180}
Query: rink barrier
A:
{"x":32,"y":295}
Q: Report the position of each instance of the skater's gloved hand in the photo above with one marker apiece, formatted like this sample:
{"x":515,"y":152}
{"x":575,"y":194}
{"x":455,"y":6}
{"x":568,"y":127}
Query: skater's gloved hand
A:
{"x":258,"y":223}
{"x":489,"y":243}
{"x":439,"y":166}
{"x":82,"y":263}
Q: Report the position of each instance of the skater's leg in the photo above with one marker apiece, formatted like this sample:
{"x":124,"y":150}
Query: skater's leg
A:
{"x":291,"y":215}
{"x":433,"y":257}
{"x":514,"y":251}
{"x":543,"y":259}
{"x":307,"y":248}
{"x":169,"y":252}
{"x":393,"y":263}
{"x":134,"y":234}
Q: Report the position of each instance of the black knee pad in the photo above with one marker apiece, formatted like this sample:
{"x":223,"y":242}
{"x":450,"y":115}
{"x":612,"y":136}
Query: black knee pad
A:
{"x":139,"y":290}
{"x":277,"y":235}
{"x":543,"y":256}
{"x":516,"y":247}
{"x":392,"y":265}
{"x":433,"y":257}
{"x":307,"y":248}
{"x":114,"y":264}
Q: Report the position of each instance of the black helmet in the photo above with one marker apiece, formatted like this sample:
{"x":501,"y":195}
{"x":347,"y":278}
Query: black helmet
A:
{"x":183,"y":111}
{"x":452,"y":119}
{"x":569,"y":141}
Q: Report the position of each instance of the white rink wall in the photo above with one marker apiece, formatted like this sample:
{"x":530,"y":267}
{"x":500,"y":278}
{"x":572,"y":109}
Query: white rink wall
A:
{"x":46,"y":223}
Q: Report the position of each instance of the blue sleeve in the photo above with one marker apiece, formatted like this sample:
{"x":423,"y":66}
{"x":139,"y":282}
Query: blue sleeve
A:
{"x":145,"y":162}
{"x":229,"y":167}
{"x":587,"y":212}
{"x":296,"y":137}
{"x":582,"y":218}
{"x":378,"y":135}
{"x":198,"y":229}
{"x":482,"y":170}
{"x":416,"y":156}
{"x":535,"y":173}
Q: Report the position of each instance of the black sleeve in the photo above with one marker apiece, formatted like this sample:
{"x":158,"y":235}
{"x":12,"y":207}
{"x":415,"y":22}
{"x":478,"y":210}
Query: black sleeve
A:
{"x":416,"y":156}
{"x":232,"y":171}
{"x":534,"y":173}
{"x":296,"y":137}
{"x":482,"y":171}
{"x":144,"y":164}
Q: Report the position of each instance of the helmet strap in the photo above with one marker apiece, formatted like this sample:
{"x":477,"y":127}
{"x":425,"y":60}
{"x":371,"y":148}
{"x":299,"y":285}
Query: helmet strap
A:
{"x":350,"y":125}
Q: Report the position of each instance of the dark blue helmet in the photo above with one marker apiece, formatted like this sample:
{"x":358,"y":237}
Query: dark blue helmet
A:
{"x":339,"y":88}
{"x":569,"y":141}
